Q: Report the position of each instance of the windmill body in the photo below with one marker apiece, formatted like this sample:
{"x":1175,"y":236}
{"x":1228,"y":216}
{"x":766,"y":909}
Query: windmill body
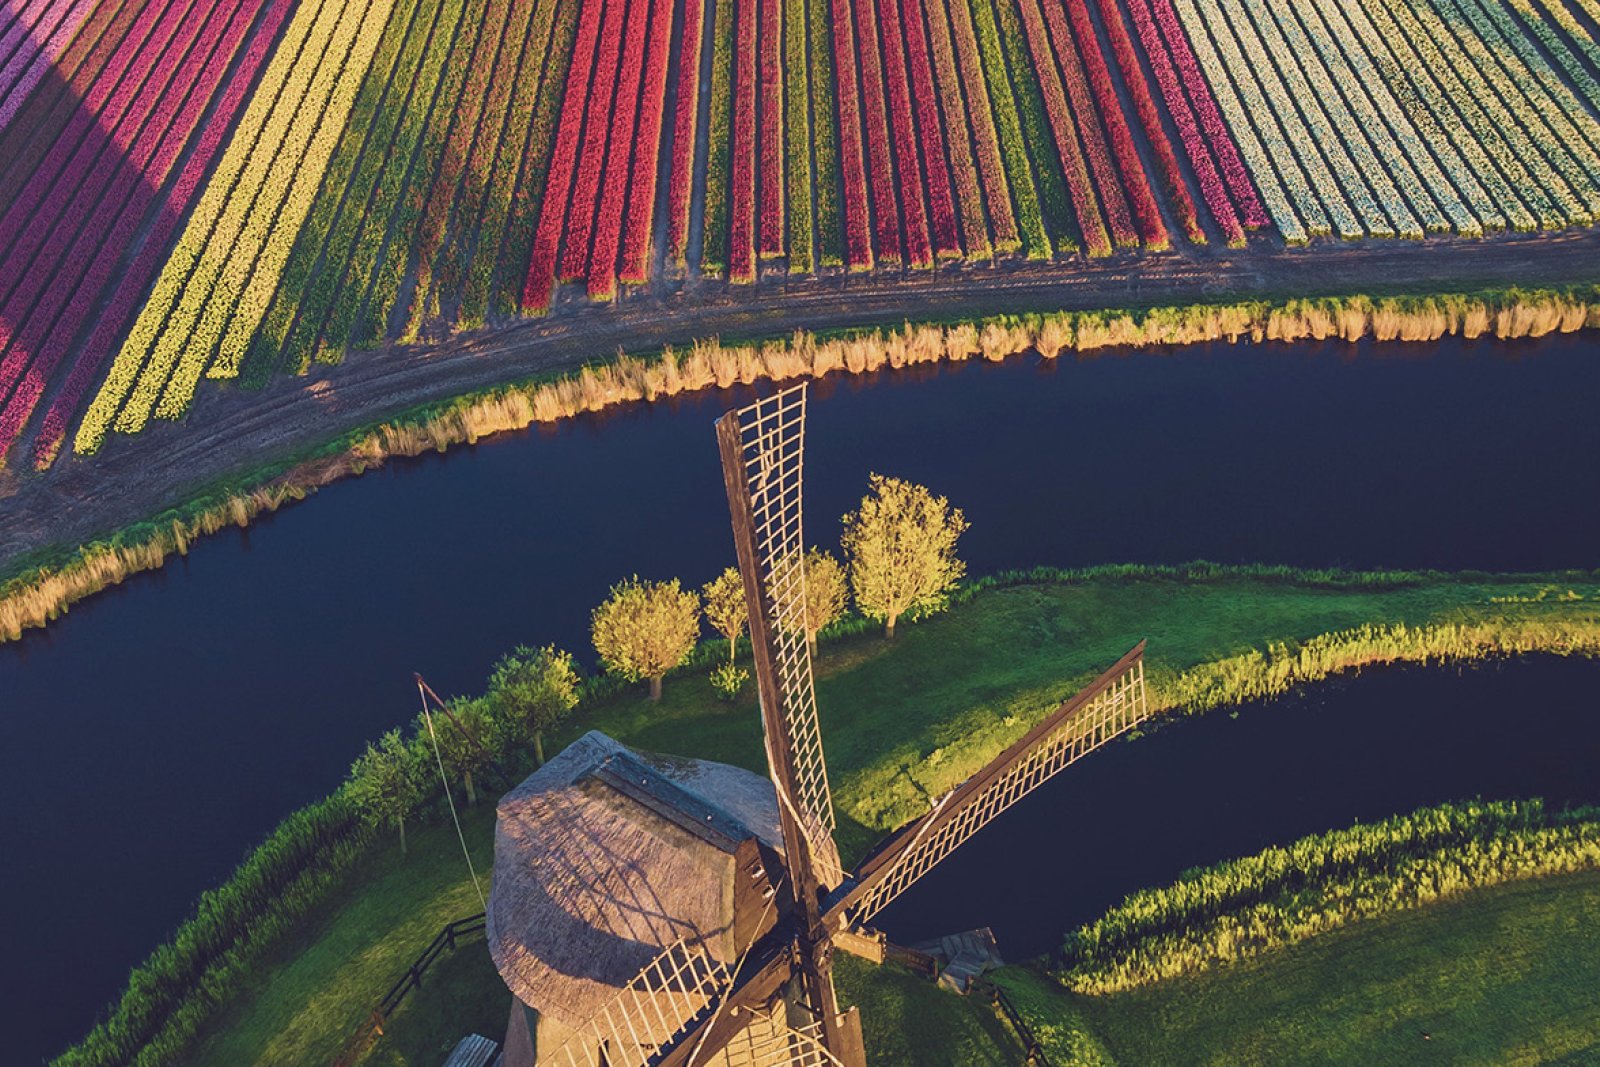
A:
{"x":608,"y":859}
{"x":652,"y":911}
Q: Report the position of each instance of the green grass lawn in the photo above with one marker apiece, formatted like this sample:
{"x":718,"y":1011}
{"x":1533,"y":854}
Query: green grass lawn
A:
{"x":903,"y":722}
{"x":1505,"y":975}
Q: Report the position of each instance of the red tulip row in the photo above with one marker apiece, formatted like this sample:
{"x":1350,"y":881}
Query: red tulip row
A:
{"x":741,"y":238}
{"x":772,"y":201}
{"x":1150,"y":118}
{"x":536,"y":290}
{"x":1113,"y":202}
{"x":1146,"y":214}
{"x":684,"y":131}
{"x":1241,"y":186}
{"x":997,"y":190}
{"x":857,"y":216}
{"x":635,"y":267}
{"x":969,"y":197}
{"x":886,"y":212}
{"x":586,"y":190}
{"x":941,"y":202}
{"x":919,"y":247}
{"x":1075,"y":168}
{"x":133,"y":280}
{"x":602,"y":258}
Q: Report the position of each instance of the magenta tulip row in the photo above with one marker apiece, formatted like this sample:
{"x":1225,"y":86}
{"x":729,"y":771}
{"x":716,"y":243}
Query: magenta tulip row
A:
{"x":597,"y":126}
{"x":640,"y":222}
{"x":600,"y":265}
{"x":741,"y":235}
{"x":941,"y":198}
{"x":536,"y":289}
{"x":1240,"y":186}
{"x":902,"y":127}
{"x":770,"y":33}
{"x":852,"y":164}
{"x":684,"y":128}
{"x":880,"y":164}
{"x":37,"y":35}
{"x":135,"y":279}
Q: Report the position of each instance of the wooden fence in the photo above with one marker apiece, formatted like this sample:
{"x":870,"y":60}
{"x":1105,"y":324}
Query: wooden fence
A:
{"x":1008,"y":1011}
{"x":372,"y":1027}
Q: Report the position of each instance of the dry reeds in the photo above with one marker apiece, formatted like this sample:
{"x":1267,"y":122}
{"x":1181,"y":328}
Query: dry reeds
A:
{"x":34,"y":599}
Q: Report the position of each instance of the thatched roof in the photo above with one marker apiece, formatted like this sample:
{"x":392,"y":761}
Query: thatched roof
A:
{"x":604,"y":857}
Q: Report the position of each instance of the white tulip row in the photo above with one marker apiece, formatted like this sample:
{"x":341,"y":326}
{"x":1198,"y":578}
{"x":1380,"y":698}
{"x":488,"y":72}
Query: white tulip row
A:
{"x":1464,"y":89}
{"x":1542,"y":150}
{"x":1565,"y":113}
{"x":1295,"y":232}
{"x":1561,"y":48}
{"x":1358,"y":123}
{"x":1250,"y":59}
{"x":1278,"y":150}
{"x":1423,"y":111}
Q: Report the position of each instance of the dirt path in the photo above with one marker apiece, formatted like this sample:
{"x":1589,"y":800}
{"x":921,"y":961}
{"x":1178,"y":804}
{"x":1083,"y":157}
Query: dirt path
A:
{"x":233,"y":430}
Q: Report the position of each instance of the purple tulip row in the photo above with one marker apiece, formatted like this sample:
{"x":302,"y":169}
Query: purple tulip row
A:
{"x":224,"y":35}
{"x":109,"y":155}
{"x":35,"y":38}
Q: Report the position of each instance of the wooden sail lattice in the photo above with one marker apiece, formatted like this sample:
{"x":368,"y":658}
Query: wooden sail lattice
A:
{"x":670,"y":996}
{"x":769,"y":1041}
{"x":771,"y":437}
{"x":1112,"y":705}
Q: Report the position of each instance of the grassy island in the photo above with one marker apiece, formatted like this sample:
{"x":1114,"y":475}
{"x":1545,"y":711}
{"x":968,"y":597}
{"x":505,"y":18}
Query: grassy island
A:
{"x":956,"y":687}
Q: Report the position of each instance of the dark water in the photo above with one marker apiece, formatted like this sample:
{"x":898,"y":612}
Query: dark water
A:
{"x":161,"y":728}
{"x":1136,"y":814}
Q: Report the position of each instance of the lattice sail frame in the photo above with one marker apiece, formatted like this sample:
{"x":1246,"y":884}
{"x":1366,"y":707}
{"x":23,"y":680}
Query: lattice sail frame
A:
{"x":772,"y":447}
{"x":769,"y":1041}
{"x":672,"y":993}
{"x":1112,"y":706}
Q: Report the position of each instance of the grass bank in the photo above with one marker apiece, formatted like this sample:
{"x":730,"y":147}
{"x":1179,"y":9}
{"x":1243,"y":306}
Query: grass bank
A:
{"x":1246,"y":907}
{"x":904,"y":722}
{"x":38,"y":588}
{"x":1499,"y":975}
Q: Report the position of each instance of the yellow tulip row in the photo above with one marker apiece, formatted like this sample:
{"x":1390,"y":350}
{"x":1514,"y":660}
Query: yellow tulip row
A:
{"x":216,"y":283}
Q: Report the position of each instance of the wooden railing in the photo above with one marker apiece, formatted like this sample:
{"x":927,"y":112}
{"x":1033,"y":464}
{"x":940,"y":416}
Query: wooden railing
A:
{"x":1008,"y":1011}
{"x":371,"y":1028}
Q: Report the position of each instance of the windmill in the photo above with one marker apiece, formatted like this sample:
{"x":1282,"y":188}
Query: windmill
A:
{"x":749,"y":978}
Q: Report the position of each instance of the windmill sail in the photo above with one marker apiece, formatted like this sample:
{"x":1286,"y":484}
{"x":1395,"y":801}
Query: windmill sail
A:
{"x":670,"y":998}
{"x":1111,"y":705}
{"x":763,"y":459}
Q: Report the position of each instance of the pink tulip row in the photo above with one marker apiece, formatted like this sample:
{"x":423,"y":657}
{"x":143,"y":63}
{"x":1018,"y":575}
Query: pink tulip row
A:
{"x":941,"y":201}
{"x":1150,"y":118}
{"x":536,"y":289}
{"x":684,"y":132}
{"x":636,"y":235}
{"x":37,"y":36}
{"x":1142,"y":200}
{"x":78,"y":193}
{"x":601,"y":268}
{"x":963,"y":168}
{"x":111,"y":223}
{"x":1243,"y":189}
{"x":133,"y":281}
{"x":1074,"y":167}
{"x":919,"y":246}
{"x":81,"y":131}
{"x":857,"y":216}
{"x":1113,"y":200}
{"x":880,"y":167}
{"x":586,"y":190}
{"x":772,"y":202}
{"x":741,"y":235}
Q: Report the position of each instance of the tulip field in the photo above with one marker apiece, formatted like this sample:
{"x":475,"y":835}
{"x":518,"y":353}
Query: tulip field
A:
{"x":197,"y":191}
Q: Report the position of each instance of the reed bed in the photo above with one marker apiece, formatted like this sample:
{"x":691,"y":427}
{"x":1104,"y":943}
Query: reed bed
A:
{"x":42,"y":592}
